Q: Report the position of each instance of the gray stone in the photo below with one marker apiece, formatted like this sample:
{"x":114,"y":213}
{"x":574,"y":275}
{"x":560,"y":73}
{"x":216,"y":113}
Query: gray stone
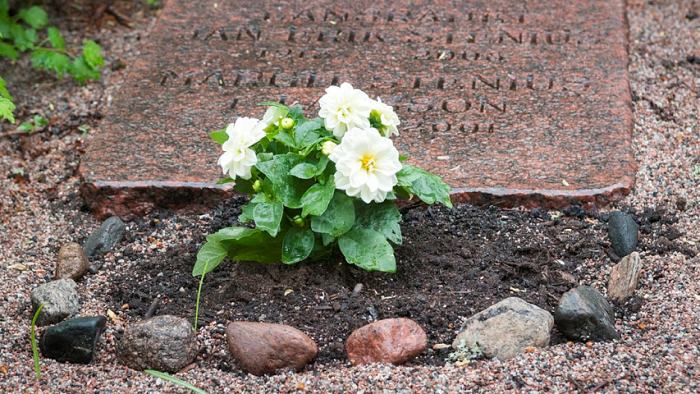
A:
{"x":73,"y":340}
{"x":72,"y":262}
{"x":583,"y":314}
{"x":506,"y":329}
{"x":105,"y":238}
{"x":61,"y":299}
{"x":624,"y":277}
{"x":164,"y":343}
{"x":622,"y":231}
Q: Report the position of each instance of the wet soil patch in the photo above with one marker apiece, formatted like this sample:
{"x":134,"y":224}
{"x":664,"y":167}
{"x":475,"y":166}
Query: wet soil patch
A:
{"x":452,"y":264}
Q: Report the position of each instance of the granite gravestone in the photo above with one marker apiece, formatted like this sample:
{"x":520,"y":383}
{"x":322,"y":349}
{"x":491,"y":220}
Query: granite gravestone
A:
{"x":513,"y":103}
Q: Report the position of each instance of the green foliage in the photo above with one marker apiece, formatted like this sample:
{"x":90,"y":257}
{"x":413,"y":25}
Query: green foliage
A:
{"x":172,"y":379}
{"x":32,"y":335}
{"x":26,"y":31}
{"x":299,"y":213}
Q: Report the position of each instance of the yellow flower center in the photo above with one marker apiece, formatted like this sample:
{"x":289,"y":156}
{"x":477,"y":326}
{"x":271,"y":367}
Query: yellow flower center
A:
{"x":367,"y":162}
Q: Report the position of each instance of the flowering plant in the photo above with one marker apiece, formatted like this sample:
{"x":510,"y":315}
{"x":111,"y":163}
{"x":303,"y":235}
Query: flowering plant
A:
{"x":318,"y":183}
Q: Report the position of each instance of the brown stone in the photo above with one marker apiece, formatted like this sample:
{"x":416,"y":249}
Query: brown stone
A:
{"x":72,"y":262}
{"x":514,"y":103}
{"x":263,"y":348}
{"x":395,"y":341}
{"x":624,"y":277}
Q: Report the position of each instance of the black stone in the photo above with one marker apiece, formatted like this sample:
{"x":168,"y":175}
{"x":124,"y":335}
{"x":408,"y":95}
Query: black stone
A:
{"x":583,"y":314}
{"x":576,"y":211}
{"x":73,"y":340}
{"x":622,"y":231}
{"x":105,"y":238}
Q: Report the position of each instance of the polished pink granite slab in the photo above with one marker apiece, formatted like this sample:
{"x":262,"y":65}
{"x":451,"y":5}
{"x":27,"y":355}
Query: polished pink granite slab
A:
{"x":513,"y":103}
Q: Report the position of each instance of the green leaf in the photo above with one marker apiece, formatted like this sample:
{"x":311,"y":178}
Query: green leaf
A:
{"x":3,"y":91}
{"x":26,"y":127}
{"x":40,"y":121}
{"x":288,"y":189}
{"x":428,"y":187}
{"x":8,"y":51}
{"x":6,"y":108}
{"x":286,"y":139}
{"x":304,"y":171}
{"x":368,"y":250}
{"x":338,"y":218}
{"x":297,"y":114}
{"x":297,"y":245}
{"x":248,"y":244}
{"x":175,"y":380}
{"x":383,"y":218}
{"x":81,"y":71}
{"x":268,"y":216}
{"x":219,"y":136}
{"x":56,"y":39}
{"x":91,"y":53}
{"x":34,"y":16}
{"x":244,"y":186}
{"x":306,"y":135}
{"x":327,"y":239}
{"x":210,"y":255}
{"x":315,"y":201}
{"x":247,"y":213}
{"x":24,"y":38}
{"x":47,"y":60}
{"x":224,"y":181}
{"x":32,"y":335}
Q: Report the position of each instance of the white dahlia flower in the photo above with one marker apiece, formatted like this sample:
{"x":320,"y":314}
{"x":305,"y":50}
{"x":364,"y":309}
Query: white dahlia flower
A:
{"x":366,"y":165}
{"x":385,"y":113}
{"x":343,"y":108}
{"x":238,"y":158}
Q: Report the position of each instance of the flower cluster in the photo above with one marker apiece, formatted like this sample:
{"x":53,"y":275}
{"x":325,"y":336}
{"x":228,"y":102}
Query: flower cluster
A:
{"x":318,"y":183}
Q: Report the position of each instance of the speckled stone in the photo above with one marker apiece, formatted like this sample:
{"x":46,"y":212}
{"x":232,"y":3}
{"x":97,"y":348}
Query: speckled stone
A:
{"x":513,"y":103}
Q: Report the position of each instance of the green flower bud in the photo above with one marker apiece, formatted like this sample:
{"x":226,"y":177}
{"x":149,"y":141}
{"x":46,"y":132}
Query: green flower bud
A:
{"x":257,"y":185}
{"x":299,"y":221}
{"x":287,"y":123}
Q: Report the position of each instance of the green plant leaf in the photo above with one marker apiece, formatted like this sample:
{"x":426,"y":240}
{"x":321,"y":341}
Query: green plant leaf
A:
{"x":244,"y":186}
{"x":247,"y":213}
{"x":219,"y":136}
{"x":297,"y":245}
{"x":8,"y":51}
{"x":56,"y":39}
{"x":81,"y":71}
{"x":210,"y":255}
{"x":428,"y":187}
{"x":268,"y":216}
{"x":91,"y":54}
{"x":275,"y":104}
{"x":304,"y":171}
{"x":32,"y":335}
{"x":285,"y":187}
{"x":224,"y":181}
{"x":34,"y":16}
{"x":306,"y":134}
{"x":315,"y":201}
{"x":286,"y":139}
{"x":26,"y":127}
{"x":297,"y":114}
{"x":175,"y":380}
{"x":3,"y":91}
{"x":44,"y":59}
{"x":383,"y":218}
{"x":249,"y":244}
{"x":24,"y":38}
{"x":338,"y":218}
{"x":6,"y":108}
{"x":40,"y":121}
{"x":368,"y":250}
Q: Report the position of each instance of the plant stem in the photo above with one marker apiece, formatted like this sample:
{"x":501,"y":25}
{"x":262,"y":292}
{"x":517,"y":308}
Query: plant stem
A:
{"x":33,"y":338}
{"x":199,"y":292}
{"x":59,"y":51}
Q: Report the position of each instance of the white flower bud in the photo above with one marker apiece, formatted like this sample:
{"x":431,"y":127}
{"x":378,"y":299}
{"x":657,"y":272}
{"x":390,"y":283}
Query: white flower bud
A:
{"x":328,"y":147}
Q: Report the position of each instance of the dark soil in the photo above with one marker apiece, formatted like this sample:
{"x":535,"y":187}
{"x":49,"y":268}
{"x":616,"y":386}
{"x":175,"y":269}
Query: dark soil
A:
{"x":452,"y":264}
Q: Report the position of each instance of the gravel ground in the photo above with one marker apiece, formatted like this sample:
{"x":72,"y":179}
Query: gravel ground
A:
{"x":659,"y":351}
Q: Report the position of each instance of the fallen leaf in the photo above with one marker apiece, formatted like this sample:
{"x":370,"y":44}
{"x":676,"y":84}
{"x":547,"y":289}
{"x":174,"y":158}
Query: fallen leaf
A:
{"x":112,"y":316}
{"x":439,"y":346}
{"x":19,"y":267}
{"x":461,"y":363}
{"x":564,"y":182}
{"x":3,"y":369}
{"x":288,"y":291}
{"x":529,"y":349}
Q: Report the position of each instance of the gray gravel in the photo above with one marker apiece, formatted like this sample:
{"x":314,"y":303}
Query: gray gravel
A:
{"x":659,"y":350}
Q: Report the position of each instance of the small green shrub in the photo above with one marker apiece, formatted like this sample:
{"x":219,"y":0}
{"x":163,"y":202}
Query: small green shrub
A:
{"x":27,"y":31}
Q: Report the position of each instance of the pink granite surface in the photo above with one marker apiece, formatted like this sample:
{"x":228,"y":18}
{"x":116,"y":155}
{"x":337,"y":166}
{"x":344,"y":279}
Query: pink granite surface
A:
{"x":523,"y":103}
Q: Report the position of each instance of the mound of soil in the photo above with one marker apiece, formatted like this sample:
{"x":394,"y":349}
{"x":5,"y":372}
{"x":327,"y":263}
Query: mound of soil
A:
{"x":452,"y":264}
